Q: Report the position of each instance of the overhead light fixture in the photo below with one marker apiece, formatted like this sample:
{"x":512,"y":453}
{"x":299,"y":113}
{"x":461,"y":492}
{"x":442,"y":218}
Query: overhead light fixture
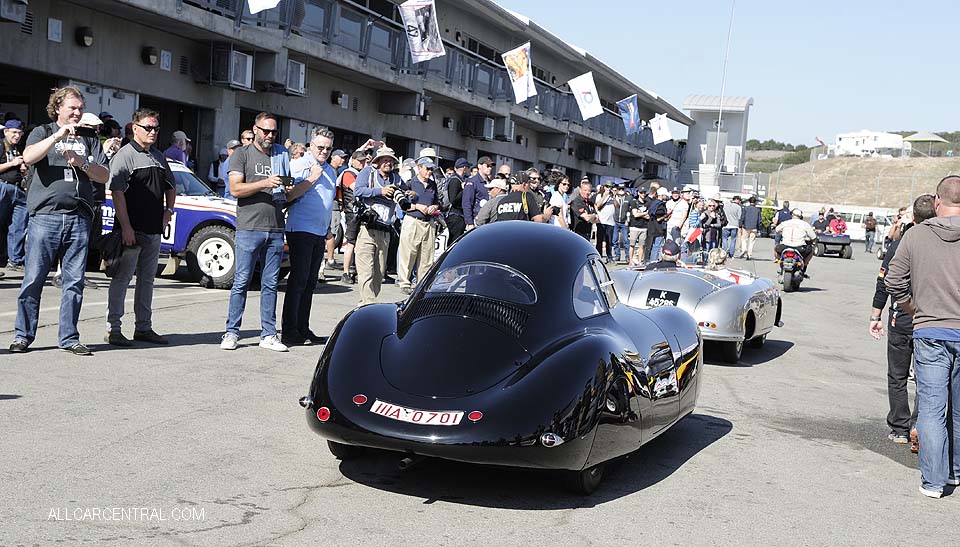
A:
{"x":84,"y":36}
{"x":150,"y":55}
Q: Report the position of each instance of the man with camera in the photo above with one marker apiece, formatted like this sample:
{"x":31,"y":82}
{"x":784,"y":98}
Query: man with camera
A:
{"x":418,"y":233}
{"x":582,"y":209}
{"x":260,"y":179}
{"x":308,"y":228}
{"x":144,"y":192}
{"x":375,"y":187}
{"x":475,"y":190}
{"x":13,"y":193}
{"x":67,"y":161}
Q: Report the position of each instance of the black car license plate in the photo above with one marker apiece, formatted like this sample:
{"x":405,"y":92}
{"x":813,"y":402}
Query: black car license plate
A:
{"x":659,"y":297}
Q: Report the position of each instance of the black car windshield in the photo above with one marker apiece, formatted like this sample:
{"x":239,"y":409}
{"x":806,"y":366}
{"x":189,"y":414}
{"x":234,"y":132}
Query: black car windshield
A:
{"x":189,"y":185}
{"x":485,"y":279}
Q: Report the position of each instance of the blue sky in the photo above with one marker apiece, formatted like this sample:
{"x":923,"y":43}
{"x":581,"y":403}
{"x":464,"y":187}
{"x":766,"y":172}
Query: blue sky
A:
{"x":814,"y":68}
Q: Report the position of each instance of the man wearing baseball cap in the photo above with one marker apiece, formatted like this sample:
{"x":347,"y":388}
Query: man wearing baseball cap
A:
{"x":656,"y":226}
{"x":475,"y":190}
{"x":669,"y":255}
{"x":520,"y":203}
{"x":498,"y":189}
{"x":418,"y":232}
{"x":177,"y":149}
{"x":453,"y":188}
{"x":13,"y":194}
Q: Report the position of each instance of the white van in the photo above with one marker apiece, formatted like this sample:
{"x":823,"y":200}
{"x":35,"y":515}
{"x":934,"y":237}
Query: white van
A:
{"x":855,"y":224}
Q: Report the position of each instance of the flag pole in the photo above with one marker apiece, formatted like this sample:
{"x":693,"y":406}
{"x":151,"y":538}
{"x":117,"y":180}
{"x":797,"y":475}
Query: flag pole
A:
{"x":723,"y":81}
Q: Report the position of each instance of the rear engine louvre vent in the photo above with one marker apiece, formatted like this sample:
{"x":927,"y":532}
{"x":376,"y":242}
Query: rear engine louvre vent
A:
{"x":507,"y":317}
{"x":27,"y":26}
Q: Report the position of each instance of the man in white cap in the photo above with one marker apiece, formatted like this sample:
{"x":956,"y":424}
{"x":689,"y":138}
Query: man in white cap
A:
{"x":375,"y":187}
{"x":178,"y":146}
{"x":498,"y":189}
{"x":217,"y":176}
{"x":418,"y":234}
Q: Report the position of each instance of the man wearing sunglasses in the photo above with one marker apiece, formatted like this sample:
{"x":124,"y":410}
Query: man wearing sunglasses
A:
{"x":144,"y":192}
{"x":255,"y":180}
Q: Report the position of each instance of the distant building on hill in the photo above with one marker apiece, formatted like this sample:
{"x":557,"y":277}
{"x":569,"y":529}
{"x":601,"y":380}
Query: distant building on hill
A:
{"x":867,"y":143}
{"x":717,"y":144}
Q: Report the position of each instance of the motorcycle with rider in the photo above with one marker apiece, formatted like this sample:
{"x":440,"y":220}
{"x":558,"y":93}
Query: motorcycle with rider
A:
{"x":795,"y":250}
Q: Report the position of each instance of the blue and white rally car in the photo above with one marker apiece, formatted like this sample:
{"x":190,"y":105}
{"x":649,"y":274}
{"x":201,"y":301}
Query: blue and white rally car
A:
{"x":201,"y":231}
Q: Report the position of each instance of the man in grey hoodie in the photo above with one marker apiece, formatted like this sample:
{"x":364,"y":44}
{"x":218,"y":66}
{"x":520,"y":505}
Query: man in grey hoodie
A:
{"x":923,"y":280}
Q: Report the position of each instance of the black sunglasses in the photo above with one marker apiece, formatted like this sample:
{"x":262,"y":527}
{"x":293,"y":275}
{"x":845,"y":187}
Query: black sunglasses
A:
{"x":149,"y":128}
{"x":267,"y":131}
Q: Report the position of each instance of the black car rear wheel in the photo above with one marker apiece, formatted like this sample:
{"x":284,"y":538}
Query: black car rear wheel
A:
{"x":586,"y":481}
{"x":758,"y":342}
{"x":344,"y":452}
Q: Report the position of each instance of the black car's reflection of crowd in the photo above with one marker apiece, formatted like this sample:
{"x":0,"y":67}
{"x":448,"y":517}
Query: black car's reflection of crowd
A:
{"x":525,"y":489}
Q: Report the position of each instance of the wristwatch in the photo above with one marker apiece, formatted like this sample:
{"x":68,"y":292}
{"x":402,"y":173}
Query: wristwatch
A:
{"x":85,"y":166}
{"x":169,"y":209}
{"x":878,"y":318}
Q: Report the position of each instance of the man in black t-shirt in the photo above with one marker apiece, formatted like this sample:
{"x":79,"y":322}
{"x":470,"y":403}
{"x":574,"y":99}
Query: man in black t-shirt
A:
{"x":61,"y":204}
{"x":144,"y":192}
{"x":582,"y":210}
{"x":520,"y":203}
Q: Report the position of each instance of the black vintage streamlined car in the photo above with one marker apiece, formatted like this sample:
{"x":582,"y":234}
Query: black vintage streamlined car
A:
{"x":514,"y":351}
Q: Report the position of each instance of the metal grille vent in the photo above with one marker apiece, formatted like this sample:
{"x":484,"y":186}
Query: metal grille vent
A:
{"x":502,"y":315}
{"x":356,"y":104}
{"x":184,"y":65}
{"x":27,"y":26}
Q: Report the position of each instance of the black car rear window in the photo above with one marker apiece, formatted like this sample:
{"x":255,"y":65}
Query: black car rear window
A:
{"x":485,"y":279}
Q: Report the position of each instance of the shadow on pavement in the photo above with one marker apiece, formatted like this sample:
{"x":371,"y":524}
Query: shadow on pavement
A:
{"x":8,"y":397}
{"x":771,"y":350}
{"x":179,"y":340}
{"x":512,"y":488}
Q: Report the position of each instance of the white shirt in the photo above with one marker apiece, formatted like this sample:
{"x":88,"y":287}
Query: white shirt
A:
{"x":221,"y":172}
{"x":679,"y":209}
{"x":559,"y":200}
{"x":796,"y":232}
{"x":607,"y":213}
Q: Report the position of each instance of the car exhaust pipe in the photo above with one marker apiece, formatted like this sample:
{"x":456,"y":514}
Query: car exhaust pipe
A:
{"x":306,"y":402}
{"x":409,"y":462}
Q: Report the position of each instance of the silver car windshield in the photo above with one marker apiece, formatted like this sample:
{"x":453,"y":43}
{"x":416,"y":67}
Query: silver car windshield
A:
{"x":485,"y":279}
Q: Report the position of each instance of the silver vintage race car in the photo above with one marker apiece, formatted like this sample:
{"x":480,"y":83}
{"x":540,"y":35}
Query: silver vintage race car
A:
{"x":731,"y":307}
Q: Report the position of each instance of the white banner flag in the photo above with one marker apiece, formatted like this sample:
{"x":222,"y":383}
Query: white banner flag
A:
{"x":585,"y":92}
{"x":423,"y":32}
{"x":660,"y":128}
{"x":256,"y":6}
{"x":520,"y":69}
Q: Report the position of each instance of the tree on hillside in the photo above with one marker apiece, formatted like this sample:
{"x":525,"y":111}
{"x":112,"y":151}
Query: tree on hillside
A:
{"x":753,"y":144}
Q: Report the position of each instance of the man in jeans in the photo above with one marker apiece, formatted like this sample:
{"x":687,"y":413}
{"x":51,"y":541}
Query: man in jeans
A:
{"x":870,"y":231}
{"x":923,"y":281}
{"x":734,"y":212}
{"x":308,"y":229}
{"x":255,"y":172}
{"x":749,"y":225}
{"x":140,"y":182}
{"x":60,"y":204}
{"x":13,"y":195}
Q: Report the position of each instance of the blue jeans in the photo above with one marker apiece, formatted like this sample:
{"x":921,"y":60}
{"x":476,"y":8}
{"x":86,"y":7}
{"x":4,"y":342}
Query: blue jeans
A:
{"x":870,"y":238}
{"x":621,"y":241}
{"x":655,"y":249}
{"x":730,"y":240}
{"x":937,"y":367}
{"x":13,"y":215}
{"x":267,"y":249}
{"x":51,"y":236}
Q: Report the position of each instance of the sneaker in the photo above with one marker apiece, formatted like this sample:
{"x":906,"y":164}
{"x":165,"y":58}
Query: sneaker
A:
{"x":953,"y":482}
{"x":936,"y":494}
{"x":149,"y":336}
{"x":15,"y":267}
{"x":56,"y":281}
{"x":116,"y":338}
{"x":229,"y":341}
{"x":406,"y":290}
{"x":19,"y":346}
{"x":272,"y":343}
{"x":332,"y":264}
{"x":78,"y":349}
{"x":345,"y":278}
{"x":313,"y":338}
{"x":387,"y":280}
{"x":898,"y":438}
{"x":291,"y":341}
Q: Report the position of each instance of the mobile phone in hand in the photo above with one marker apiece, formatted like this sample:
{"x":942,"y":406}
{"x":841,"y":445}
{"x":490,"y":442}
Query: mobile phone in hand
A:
{"x":85,"y":132}
{"x":286,"y":181}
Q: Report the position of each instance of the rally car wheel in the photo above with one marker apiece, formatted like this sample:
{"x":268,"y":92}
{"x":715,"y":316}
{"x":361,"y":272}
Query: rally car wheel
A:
{"x":211,"y":254}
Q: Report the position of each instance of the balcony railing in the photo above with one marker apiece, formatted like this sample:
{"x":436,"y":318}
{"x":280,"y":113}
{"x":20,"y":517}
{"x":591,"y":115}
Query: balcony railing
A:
{"x":380,"y":39}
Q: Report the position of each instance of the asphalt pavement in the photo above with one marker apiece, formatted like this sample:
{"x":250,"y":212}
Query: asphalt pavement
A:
{"x":192,"y":445}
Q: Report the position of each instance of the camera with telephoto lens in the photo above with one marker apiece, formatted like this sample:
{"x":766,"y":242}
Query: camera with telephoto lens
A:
{"x":401,"y":199}
{"x":366,"y":216}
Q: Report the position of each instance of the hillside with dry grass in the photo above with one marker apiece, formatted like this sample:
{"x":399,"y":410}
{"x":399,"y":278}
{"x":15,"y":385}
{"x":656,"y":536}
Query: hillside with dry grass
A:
{"x":862,"y":181}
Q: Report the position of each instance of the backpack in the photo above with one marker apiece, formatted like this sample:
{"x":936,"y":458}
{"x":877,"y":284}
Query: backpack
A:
{"x":443,"y":191}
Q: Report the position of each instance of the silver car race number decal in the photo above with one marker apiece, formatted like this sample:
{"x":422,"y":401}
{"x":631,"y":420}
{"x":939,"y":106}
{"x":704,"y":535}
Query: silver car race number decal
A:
{"x":658,"y":297}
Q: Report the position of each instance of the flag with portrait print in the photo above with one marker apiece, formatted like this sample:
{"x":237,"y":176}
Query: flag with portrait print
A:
{"x":520,"y":69}
{"x":422,"y":29}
